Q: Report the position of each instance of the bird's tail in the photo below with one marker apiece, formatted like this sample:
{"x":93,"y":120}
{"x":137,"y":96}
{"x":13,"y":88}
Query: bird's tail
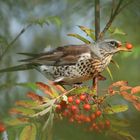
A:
{"x":18,"y":68}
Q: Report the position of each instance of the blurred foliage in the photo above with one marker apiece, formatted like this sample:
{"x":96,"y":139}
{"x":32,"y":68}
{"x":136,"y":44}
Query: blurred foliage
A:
{"x":57,"y":19}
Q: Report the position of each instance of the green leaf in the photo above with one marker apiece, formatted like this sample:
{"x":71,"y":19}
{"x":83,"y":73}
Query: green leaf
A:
{"x":80,"y":37}
{"x":49,"y":123}
{"x":80,"y":90}
{"x":115,"y":109}
{"x":119,"y":134}
{"x":27,"y":103}
{"x":39,"y":21}
{"x":120,"y":123}
{"x":28,"y":84}
{"x":22,"y":111}
{"x":116,"y":31}
{"x":110,"y":74}
{"x":16,"y":121}
{"x":45,"y":20}
{"x":28,"y":133}
{"x":45,"y":105}
{"x":48,"y":108}
{"x":88,"y":31}
{"x":115,"y":63}
{"x":55,"y":20}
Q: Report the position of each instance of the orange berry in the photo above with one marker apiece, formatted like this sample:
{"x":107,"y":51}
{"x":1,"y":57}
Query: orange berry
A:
{"x":87,"y":119}
{"x":77,"y":101}
{"x":2,"y":127}
{"x":87,"y":107}
{"x":58,"y":107}
{"x":98,"y":113}
{"x":74,"y":108}
{"x":70,"y":99}
{"x":82,"y":97}
{"x":129,"y":45}
{"x":93,"y":116}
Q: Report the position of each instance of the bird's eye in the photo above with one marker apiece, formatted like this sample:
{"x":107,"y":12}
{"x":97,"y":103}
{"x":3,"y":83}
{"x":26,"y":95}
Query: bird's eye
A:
{"x":112,"y":43}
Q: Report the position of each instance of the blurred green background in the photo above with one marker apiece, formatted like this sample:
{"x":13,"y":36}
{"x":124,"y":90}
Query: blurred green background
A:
{"x":64,"y":16}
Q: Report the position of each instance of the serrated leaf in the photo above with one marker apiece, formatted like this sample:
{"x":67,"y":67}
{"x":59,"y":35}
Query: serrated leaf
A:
{"x":22,"y":111}
{"x":17,"y":121}
{"x":57,"y":87}
{"x":35,"y":97}
{"x":28,"y":133}
{"x":115,"y":109}
{"x":46,"y":89}
{"x":80,"y":37}
{"x":110,"y":74}
{"x":45,"y":105}
{"x":88,"y":31}
{"x":27,"y":103}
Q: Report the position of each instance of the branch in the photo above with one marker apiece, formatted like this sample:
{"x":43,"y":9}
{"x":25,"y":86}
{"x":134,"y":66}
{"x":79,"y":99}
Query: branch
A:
{"x":97,"y":33}
{"x":14,"y":40}
{"x":114,"y":13}
{"x":97,"y":19}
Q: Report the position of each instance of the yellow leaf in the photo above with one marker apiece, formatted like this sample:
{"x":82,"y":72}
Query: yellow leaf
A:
{"x":110,"y":74}
{"x":28,"y":133}
{"x":80,"y":37}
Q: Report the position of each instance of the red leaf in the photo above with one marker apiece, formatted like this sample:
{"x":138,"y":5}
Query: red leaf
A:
{"x":120,"y":83}
{"x":132,"y":98}
{"x":35,"y":97}
{"x":45,"y":88}
{"x":137,"y":106}
{"x":129,"y":97}
{"x":111,"y":91}
{"x":123,"y":88}
{"x":135,"y":90}
{"x":58,"y":87}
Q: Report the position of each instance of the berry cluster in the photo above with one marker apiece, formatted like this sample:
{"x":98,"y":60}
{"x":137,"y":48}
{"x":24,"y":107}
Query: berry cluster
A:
{"x":82,"y":109}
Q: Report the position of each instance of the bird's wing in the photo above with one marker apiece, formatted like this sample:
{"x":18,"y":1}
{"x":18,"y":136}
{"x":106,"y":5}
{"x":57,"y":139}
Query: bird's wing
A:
{"x":66,"y":55}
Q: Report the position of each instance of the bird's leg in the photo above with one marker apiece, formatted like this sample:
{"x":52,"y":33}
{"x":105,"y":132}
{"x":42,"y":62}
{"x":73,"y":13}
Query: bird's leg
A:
{"x":95,"y":84}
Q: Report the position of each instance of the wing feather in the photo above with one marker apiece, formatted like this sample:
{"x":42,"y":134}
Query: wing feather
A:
{"x":66,"y":55}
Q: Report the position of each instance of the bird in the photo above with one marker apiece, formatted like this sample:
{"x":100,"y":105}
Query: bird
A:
{"x":72,"y":64}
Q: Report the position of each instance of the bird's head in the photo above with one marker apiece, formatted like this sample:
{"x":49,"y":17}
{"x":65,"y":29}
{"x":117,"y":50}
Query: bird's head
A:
{"x":108,"y":46}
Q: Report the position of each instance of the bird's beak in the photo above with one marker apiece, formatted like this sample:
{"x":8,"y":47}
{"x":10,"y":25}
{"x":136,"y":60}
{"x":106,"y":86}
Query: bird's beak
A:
{"x":119,"y":44}
{"x":123,"y":49}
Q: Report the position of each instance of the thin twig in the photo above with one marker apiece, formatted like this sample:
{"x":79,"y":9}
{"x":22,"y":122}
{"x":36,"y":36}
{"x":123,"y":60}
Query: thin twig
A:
{"x":14,"y":40}
{"x":124,"y":6}
{"x":97,"y":19}
{"x":112,"y":8}
{"x":112,"y":17}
